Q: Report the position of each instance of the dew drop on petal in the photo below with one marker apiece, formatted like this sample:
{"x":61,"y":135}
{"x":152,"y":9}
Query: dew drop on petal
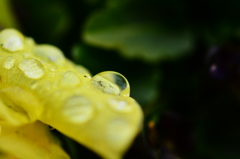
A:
{"x":32,"y":68}
{"x":78,"y":109}
{"x":11,"y":40}
{"x":119,"y":105}
{"x":9,"y":62}
{"x":25,"y":54}
{"x":70,"y":78}
{"x":53,"y":68}
{"x":112,"y":83}
{"x":50,"y":53}
{"x":117,"y":130}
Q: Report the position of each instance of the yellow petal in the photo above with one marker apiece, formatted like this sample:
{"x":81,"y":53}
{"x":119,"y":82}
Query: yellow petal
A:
{"x":41,"y":84}
{"x":30,"y":141}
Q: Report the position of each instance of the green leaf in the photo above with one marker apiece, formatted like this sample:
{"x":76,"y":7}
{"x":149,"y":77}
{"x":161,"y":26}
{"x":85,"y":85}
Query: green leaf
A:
{"x":145,"y":38}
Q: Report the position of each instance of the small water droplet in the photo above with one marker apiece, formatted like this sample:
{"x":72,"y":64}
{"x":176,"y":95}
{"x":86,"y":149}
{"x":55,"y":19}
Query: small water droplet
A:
{"x":70,"y":79}
{"x":112,"y":83}
{"x":50,"y":53}
{"x":11,"y":40}
{"x":120,"y":105}
{"x":9,"y":62}
{"x":32,"y":68}
{"x":117,"y":131}
{"x":78,"y":109}
{"x":52,"y":68}
{"x":25,"y":54}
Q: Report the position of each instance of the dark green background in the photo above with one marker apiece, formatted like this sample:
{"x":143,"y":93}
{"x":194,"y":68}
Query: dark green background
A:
{"x":162,"y":48}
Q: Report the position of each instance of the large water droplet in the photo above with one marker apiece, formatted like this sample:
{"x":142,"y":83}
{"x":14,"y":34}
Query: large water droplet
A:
{"x":120,"y":105}
{"x":70,"y":79}
{"x":50,"y":53}
{"x":112,"y":83}
{"x":9,"y":62}
{"x":78,"y":109}
{"x":32,"y":68}
{"x":11,"y":40}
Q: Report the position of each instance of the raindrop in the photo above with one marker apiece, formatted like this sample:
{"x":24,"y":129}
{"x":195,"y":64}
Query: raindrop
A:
{"x":52,"y":68}
{"x":11,"y":40}
{"x":117,"y":131}
{"x":9,"y":62}
{"x":78,"y":109}
{"x":70,"y":78}
{"x":112,"y":83}
{"x":32,"y":68}
{"x":50,"y":53}
{"x":120,"y":105}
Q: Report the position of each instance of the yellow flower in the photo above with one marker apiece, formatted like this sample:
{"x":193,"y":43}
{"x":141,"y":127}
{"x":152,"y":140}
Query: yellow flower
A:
{"x":39,"y":85}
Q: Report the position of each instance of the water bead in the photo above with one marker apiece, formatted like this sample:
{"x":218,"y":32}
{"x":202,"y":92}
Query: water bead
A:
{"x":120,"y":105}
{"x":112,"y":83}
{"x":117,"y":131}
{"x":50,"y":53}
{"x":11,"y":40}
{"x":9,"y":62}
{"x":70,"y":78}
{"x":53,"y":68}
{"x":25,"y":54}
{"x":78,"y":109}
{"x":32,"y":68}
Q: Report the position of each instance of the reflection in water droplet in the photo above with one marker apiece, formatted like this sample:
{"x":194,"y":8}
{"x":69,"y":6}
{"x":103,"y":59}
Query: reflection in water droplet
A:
{"x":32,"y":68}
{"x":70,"y":78}
{"x":120,"y":105}
{"x":117,"y":131}
{"x":9,"y":62}
{"x":11,"y":40}
{"x":112,"y":83}
{"x":78,"y":109}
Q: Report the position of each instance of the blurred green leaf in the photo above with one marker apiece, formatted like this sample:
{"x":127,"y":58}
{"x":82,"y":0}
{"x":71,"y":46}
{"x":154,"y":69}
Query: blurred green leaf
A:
{"x":122,"y":27}
{"x":6,"y":17}
{"x":45,"y":20}
{"x":145,"y":86}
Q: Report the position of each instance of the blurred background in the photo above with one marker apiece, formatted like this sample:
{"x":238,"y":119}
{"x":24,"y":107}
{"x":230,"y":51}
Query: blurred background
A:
{"x":181,"y":58}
